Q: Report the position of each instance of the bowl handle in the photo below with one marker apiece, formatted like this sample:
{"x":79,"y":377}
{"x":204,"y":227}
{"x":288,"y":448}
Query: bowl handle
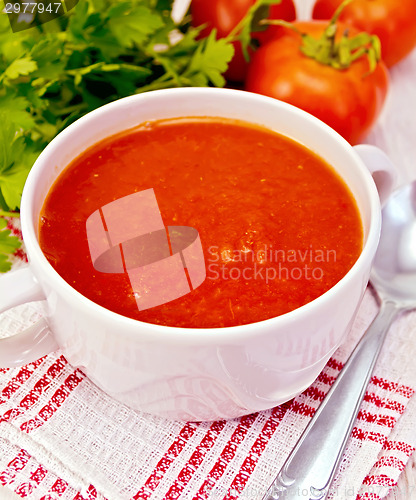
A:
{"x":19,"y":287}
{"x":381,"y":168}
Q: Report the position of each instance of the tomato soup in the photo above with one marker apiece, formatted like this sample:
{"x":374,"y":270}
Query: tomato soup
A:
{"x":278,"y":227}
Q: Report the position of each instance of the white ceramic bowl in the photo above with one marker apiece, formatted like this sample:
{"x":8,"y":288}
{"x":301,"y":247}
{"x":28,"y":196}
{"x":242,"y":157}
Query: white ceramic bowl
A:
{"x":192,"y":374}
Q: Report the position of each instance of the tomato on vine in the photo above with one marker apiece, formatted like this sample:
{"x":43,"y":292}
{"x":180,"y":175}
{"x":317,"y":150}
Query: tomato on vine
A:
{"x":332,"y":72}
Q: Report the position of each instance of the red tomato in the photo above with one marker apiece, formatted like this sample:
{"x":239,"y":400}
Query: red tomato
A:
{"x":224,"y":15}
{"x":348,"y":100}
{"x":393,"y":21}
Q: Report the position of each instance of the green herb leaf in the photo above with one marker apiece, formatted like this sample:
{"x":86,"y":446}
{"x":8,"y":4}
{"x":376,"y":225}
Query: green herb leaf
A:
{"x":16,"y":159}
{"x":22,"y":66}
{"x":12,"y":185}
{"x":77,"y":21}
{"x":251,"y":22}
{"x":132,"y":26}
{"x":8,"y":245}
{"x":18,"y":107}
{"x":210,"y":61}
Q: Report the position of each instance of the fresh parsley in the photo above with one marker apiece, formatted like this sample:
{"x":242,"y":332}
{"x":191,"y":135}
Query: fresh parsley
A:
{"x":8,"y":245}
{"x":101,"y":50}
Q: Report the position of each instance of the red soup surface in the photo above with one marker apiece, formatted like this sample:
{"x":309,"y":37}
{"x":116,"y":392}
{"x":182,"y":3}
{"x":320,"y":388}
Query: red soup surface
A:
{"x":277,"y":225}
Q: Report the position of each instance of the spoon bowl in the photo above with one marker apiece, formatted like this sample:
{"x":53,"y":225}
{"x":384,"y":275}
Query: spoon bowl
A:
{"x":394,"y":269}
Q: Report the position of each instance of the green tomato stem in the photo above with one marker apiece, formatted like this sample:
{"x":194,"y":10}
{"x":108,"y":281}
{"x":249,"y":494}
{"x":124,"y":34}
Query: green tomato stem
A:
{"x":339,"y":55}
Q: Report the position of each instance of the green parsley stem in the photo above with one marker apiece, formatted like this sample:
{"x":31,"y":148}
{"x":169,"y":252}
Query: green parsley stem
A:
{"x":234,"y":33}
{"x":156,"y":85}
{"x":83,"y":106}
{"x":4,"y":213}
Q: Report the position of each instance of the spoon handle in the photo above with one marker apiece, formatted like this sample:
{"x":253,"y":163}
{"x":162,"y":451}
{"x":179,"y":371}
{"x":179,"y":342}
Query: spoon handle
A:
{"x":311,"y":466}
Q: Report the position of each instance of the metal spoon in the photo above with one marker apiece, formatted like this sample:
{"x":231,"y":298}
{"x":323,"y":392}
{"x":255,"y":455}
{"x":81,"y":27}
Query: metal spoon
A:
{"x":311,"y":467}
